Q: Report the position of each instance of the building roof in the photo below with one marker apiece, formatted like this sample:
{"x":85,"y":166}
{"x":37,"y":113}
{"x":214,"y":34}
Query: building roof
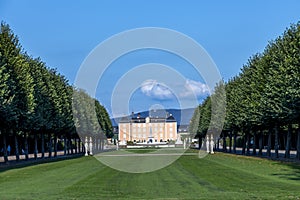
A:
{"x":171,"y":119}
{"x":138,"y":119}
{"x":157,"y":119}
{"x":124,"y":119}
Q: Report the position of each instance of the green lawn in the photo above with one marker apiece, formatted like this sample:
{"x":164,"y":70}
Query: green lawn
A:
{"x":149,"y":150}
{"x":219,"y":176}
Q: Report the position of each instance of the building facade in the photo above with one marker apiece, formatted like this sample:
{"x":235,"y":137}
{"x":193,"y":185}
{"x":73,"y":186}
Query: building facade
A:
{"x":147,"y":129}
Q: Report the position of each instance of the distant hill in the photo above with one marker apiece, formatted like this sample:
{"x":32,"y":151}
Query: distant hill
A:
{"x":182,"y":116}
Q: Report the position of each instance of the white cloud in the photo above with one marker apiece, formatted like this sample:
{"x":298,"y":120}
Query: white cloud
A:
{"x":194,"y":88}
{"x":189,"y":89}
{"x":156,"y":90}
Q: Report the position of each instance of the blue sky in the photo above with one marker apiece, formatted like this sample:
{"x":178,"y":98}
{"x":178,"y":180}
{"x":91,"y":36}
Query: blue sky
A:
{"x":63,"y":33}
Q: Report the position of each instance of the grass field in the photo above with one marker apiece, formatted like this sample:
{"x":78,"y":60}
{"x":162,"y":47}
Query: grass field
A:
{"x":219,"y":176}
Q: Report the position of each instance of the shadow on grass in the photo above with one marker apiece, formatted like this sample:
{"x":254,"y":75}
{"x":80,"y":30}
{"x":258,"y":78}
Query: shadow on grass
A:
{"x":31,"y":162}
{"x":141,"y":150}
{"x":290,"y":173}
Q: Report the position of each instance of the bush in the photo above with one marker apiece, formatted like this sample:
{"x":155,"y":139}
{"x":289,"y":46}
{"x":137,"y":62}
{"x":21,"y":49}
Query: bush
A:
{"x":130,"y":143}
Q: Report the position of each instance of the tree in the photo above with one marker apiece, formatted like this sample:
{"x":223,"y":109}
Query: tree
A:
{"x":22,"y":90}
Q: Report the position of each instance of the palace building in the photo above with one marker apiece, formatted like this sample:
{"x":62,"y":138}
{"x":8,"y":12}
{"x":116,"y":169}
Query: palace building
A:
{"x":147,"y":129}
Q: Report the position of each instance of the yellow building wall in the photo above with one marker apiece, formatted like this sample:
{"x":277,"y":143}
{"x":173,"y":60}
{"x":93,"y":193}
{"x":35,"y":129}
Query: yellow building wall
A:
{"x":141,"y":131}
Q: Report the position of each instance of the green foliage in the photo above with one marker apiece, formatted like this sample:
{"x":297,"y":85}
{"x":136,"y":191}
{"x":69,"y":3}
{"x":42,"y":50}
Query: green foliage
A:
{"x":36,"y":99}
{"x":130,"y":143}
{"x":89,"y":116}
{"x":103,"y":119}
{"x":266,"y":93}
{"x":17,"y":84}
{"x":218,"y":108}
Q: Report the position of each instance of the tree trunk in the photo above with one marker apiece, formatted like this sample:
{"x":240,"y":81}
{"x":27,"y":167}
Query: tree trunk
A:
{"x":78,"y":143}
{"x":269,"y":143}
{"x":97,"y":143}
{"x":199,"y":143}
{"x":224,"y":143}
{"x":298,"y":142}
{"x":82,"y":146}
{"x":70,"y":145}
{"x":276,"y":141}
{"x":35,"y":146}
{"x":284,"y":141}
{"x":49,"y":145}
{"x":43,"y":145}
{"x":5,"y":148}
{"x":254,"y":143}
{"x":215,"y":145}
{"x":244,"y":145}
{"x":260,"y":143}
{"x":248,"y":143}
{"x":16,"y":147}
{"x":102,"y":144}
{"x":55,"y":145}
{"x":65,"y":145}
{"x":69,"y":142}
{"x":26,"y":145}
{"x":75,"y":144}
{"x":288,"y":142}
{"x":234,"y":142}
{"x":230,"y":141}
{"x":94,"y":144}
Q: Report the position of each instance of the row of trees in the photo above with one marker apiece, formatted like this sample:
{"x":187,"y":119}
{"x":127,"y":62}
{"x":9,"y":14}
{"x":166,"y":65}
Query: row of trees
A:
{"x":262,"y":102}
{"x":36,"y":101}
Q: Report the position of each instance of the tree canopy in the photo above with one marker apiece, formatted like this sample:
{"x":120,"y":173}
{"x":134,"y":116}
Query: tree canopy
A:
{"x":266,"y":93}
{"x":37,"y":99}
